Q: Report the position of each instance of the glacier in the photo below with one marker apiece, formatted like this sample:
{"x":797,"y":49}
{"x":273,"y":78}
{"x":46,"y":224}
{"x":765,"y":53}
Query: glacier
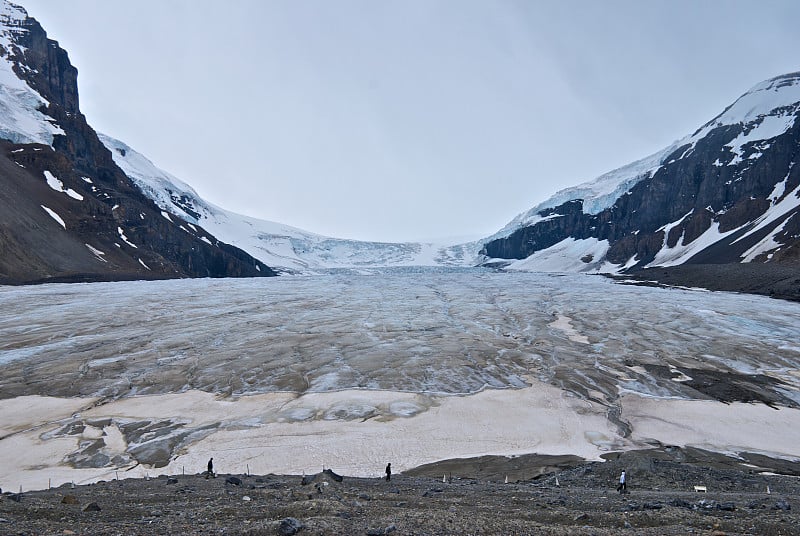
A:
{"x":420,"y":364}
{"x":282,"y":247}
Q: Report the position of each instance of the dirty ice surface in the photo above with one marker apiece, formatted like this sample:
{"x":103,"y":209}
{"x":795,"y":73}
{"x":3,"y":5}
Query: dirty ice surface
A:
{"x":288,"y":375}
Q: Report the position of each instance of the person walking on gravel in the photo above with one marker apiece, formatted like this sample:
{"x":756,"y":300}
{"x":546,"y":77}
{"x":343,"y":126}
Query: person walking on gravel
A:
{"x":388,"y":472}
{"x":623,"y":482}
{"x":210,"y":471}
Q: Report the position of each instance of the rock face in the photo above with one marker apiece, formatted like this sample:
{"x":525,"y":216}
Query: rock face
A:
{"x":67,"y":211}
{"x":726,"y":194}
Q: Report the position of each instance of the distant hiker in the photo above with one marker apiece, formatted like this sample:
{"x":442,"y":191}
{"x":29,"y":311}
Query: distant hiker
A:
{"x":388,"y":472}
{"x":210,"y":471}
{"x":622,"y":482}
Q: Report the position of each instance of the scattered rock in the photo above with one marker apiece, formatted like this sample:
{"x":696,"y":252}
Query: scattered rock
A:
{"x":726,"y":506}
{"x":246,"y":498}
{"x":236,"y":481}
{"x":334,"y":476}
{"x":681,"y":503}
{"x":92,"y":507}
{"x":290,"y":526}
{"x":325,"y":475}
{"x":172,"y":480}
{"x":69,"y":499}
{"x":782,"y":504}
{"x":706,"y":505}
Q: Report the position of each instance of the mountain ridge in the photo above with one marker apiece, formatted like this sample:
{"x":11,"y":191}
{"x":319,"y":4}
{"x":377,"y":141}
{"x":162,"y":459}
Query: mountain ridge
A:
{"x":727,"y":193}
{"x":67,"y":212}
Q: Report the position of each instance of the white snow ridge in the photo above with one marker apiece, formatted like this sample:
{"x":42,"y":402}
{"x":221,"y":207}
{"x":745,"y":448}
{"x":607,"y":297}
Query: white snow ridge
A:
{"x":279,"y":246}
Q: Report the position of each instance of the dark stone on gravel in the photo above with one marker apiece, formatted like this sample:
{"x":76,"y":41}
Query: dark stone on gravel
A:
{"x":681,"y":503}
{"x":92,"y":507}
{"x":290,"y":526}
{"x":236,"y":481}
{"x":16,"y":497}
{"x":334,"y":476}
{"x":706,"y":505}
{"x":726,"y":506}
{"x":782,"y":505}
{"x":69,"y":499}
{"x":172,"y":481}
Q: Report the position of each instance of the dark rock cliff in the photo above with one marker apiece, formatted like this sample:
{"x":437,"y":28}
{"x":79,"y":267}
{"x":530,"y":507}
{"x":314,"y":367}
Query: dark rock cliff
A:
{"x":113,"y":232}
{"x":699,"y":186}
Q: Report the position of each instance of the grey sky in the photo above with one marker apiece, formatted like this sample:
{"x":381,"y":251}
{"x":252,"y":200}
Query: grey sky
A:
{"x":413,"y":119}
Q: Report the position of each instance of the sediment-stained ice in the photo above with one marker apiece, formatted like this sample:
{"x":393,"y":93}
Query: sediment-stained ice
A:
{"x":285,"y":374}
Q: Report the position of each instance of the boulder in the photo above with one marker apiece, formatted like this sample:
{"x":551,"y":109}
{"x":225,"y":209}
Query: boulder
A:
{"x":290,"y":526}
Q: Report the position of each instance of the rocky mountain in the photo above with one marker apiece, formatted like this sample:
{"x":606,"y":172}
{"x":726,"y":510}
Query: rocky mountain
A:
{"x":726,"y":195}
{"x":67,"y":211}
{"x":714,"y":209}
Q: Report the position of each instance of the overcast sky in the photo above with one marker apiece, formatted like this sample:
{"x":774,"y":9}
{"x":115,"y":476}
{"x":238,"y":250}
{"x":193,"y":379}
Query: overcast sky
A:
{"x":409,"y":119}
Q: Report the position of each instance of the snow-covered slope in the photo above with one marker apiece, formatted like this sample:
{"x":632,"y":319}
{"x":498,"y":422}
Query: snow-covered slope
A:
{"x":597,"y":194}
{"x":277,"y":245}
{"x":728,"y":193}
{"x":20,"y":118}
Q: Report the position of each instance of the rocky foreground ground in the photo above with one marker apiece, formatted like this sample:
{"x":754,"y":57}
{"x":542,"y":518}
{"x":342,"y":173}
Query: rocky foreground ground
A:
{"x":470,"y":497}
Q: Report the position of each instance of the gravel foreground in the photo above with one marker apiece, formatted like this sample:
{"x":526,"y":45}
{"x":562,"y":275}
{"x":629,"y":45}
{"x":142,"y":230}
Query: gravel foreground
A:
{"x":579,"y":500}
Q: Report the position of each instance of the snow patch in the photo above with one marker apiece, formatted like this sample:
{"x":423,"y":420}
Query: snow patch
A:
{"x":682,"y":252}
{"x":569,"y":255}
{"x":775,"y":212}
{"x":125,"y":238}
{"x":96,"y":252}
{"x":767,"y":243}
{"x":778,"y":190}
{"x":764,"y":128}
{"x":55,"y":216}
{"x":58,"y":186}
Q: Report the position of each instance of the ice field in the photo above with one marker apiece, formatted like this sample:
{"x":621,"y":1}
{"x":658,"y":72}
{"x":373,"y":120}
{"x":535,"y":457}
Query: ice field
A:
{"x":349,"y":371}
